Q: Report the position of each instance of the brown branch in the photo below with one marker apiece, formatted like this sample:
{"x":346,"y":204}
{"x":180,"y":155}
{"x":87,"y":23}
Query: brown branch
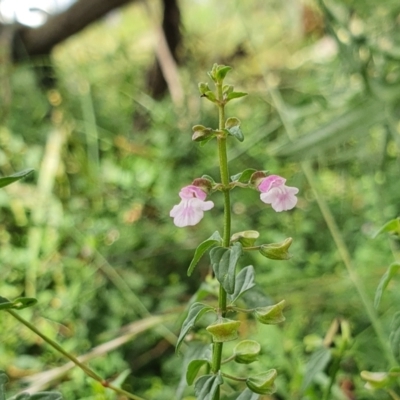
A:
{"x":40,"y":41}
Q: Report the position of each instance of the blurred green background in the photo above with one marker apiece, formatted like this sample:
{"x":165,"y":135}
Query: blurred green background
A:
{"x":89,"y":233}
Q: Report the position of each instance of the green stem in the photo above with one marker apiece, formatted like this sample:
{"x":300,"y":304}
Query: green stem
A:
{"x":65,"y":353}
{"x":393,"y":394}
{"x":224,"y":172}
{"x":235,"y":378}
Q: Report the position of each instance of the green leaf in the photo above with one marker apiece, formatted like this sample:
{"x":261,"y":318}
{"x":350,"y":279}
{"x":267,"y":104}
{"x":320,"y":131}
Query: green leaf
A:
{"x":210,"y":96}
{"x":193,"y":369}
{"x":205,"y":141}
{"x":236,"y":132}
{"x":386,"y":278}
{"x":235,"y":95}
{"x":224,"y":262}
{"x":18,"y":304}
{"x":392,"y":226}
{"x":203,"y":88}
{"x":7,"y":180}
{"x":394,"y":337}
{"x":248,"y":395}
{"x":206,"y":386}
{"x":213,"y":240}
{"x":316,"y":364}
{"x":244,"y":282}
{"x":222,"y":70}
{"x":196,"y":311}
{"x":196,"y":351}
{"x":244,"y":176}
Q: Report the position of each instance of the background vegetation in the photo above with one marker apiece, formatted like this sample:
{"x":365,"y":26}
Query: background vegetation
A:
{"x":89,"y":234}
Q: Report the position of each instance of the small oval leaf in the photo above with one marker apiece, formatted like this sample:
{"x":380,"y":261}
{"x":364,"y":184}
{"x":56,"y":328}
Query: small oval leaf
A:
{"x":193,"y":369}
{"x":213,"y":240}
{"x":196,"y":311}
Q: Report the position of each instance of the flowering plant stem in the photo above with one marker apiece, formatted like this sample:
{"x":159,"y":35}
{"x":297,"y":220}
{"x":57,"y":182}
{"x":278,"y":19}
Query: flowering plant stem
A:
{"x":224,"y":172}
{"x":225,"y":251}
{"x":65,"y":353}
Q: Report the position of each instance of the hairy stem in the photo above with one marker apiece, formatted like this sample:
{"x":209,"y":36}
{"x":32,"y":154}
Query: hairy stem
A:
{"x":224,"y":172}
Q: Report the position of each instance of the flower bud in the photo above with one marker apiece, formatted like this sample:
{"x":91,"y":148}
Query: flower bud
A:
{"x":204,"y":184}
{"x":263,"y":383}
{"x":270,"y":315}
{"x":201,"y":133}
{"x":277,"y":251}
{"x":224,"y":330}
{"x":257,"y":178}
{"x":203,"y":88}
{"x":246,"y":238}
{"x":246,"y":351}
{"x":227,"y":89}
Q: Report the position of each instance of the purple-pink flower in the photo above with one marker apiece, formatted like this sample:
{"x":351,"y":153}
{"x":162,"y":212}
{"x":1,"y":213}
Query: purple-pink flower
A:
{"x":191,"y":209}
{"x":275,"y":192}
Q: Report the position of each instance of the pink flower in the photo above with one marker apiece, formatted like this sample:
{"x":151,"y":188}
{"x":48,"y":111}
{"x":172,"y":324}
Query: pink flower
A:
{"x":191,"y":209}
{"x":275,"y":192}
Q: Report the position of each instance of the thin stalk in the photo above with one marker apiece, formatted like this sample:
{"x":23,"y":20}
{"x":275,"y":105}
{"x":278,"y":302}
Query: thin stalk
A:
{"x":393,"y":394}
{"x":224,"y":172}
{"x":65,"y":353}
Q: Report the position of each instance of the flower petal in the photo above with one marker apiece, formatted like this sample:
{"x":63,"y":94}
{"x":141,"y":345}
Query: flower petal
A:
{"x":281,"y":198}
{"x":271,"y":181}
{"x":190,"y":191}
{"x":190,"y":212}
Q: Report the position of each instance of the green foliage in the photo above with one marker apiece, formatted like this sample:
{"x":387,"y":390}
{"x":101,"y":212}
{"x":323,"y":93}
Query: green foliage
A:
{"x":213,"y":240}
{"x":224,"y":262}
{"x":113,"y":211}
